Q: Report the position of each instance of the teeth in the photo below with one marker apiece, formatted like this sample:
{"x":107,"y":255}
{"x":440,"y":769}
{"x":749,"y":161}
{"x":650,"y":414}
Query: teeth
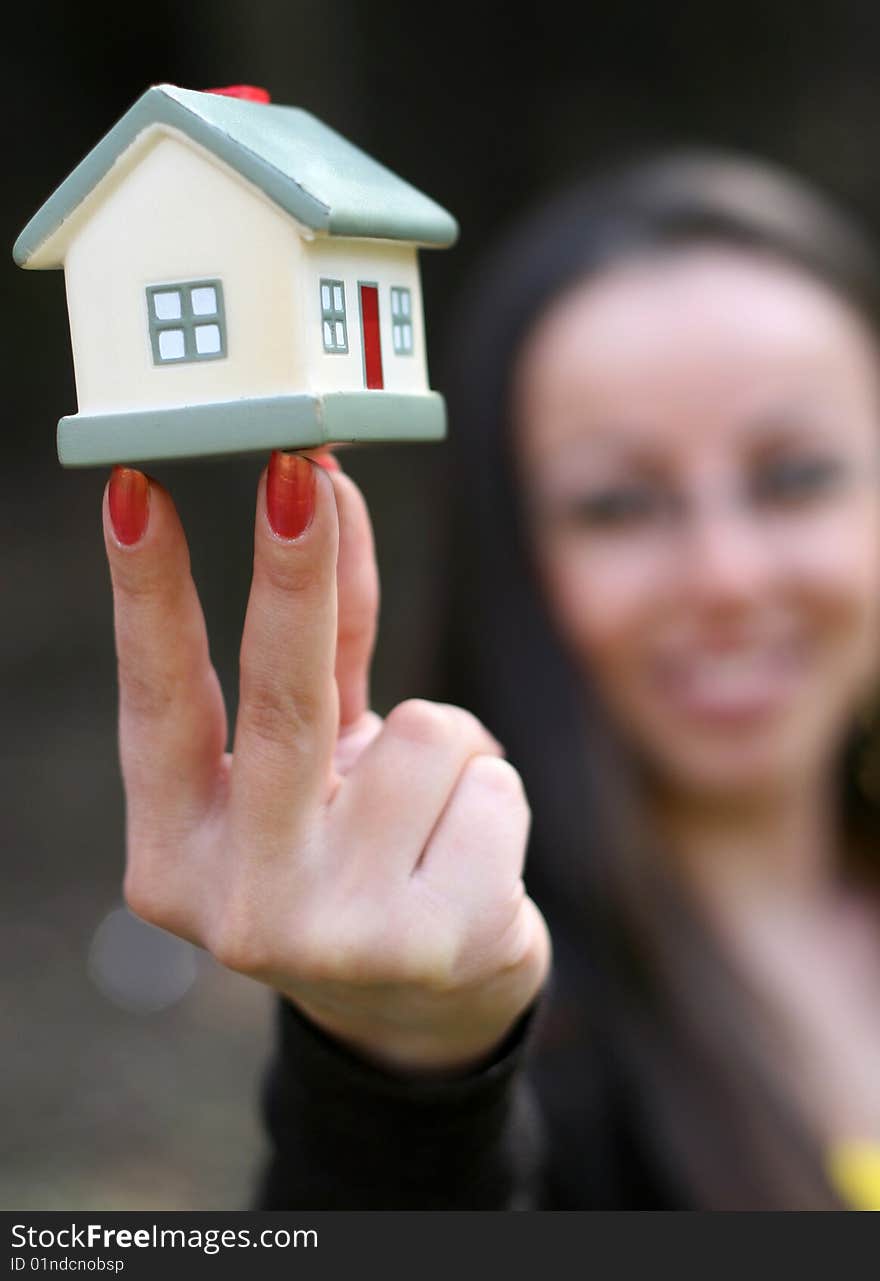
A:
{"x":730,"y":670}
{"x":726,"y":679}
{"x":732,"y":678}
{"x":733,"y":665}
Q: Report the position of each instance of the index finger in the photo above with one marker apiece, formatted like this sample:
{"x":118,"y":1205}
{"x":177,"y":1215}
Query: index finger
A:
{"x":172,"y":721}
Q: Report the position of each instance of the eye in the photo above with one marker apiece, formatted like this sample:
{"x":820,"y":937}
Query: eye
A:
{"x":622,"y":506}
{"x":789,"y":481}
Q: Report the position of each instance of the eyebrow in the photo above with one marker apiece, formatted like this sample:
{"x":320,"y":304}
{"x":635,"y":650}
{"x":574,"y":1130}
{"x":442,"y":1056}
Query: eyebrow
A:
{"x":604,"y":444}
{"x":795,"y":418}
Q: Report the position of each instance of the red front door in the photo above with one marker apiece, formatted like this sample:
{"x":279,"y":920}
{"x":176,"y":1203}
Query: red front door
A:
{"x":372,"y":339}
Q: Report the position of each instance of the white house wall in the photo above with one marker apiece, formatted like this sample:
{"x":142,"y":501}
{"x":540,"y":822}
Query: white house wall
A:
{"x":181,"y":215}
{"x":383,"y":263}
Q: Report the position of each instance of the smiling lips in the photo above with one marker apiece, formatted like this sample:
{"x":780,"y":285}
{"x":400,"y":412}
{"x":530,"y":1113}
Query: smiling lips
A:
{"x":737,"y":687}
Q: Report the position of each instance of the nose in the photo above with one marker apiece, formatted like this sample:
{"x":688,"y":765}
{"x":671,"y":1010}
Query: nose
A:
{"x":725,"y":560}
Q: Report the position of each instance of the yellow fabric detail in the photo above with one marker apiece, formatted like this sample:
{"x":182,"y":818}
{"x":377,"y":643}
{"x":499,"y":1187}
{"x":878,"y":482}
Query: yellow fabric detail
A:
{"x":854,"y":1168}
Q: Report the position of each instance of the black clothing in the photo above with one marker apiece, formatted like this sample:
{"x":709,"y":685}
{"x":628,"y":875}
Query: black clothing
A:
{"x":548,"y":1124}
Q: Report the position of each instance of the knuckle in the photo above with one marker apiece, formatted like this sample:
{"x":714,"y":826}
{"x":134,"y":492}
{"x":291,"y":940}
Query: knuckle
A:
{"x":148,"y":897}
{"x":264,"y":714}
{"x":234,"y":954}
{"x":336,"y":952}
{"x":142,"y":580}
{"x":145,"y":693}
{"x":364,"y":953}
{"x":465,"y":724}
{"x":153,"y":681}
{"x":324,"y":967}
{"x":433,"y":725}
{"x":419,"y":721}
{"x":237,"y":942}
{"x":428,"y":956}
{"x":274,"y":714}
{"x":495,"y":775}
{"x":433,"y":969}
{"x":287,"y":570}
{"x":426,"y":953}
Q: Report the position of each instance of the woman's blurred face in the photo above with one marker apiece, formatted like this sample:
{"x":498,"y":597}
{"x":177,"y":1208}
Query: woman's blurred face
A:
{"x":698,"y":439}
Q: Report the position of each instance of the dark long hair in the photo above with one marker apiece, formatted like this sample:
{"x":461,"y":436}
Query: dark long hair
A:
{"x":704,"y":1058}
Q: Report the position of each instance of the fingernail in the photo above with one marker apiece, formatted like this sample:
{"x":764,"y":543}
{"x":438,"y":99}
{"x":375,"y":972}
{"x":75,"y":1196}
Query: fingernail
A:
{"x":129,"y":500}
{"x":326,"y":460}
{"x":290,"y":494}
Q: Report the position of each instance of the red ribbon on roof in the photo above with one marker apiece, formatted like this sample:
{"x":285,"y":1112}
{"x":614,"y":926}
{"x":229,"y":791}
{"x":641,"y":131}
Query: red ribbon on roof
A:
{"x":251,"y":93}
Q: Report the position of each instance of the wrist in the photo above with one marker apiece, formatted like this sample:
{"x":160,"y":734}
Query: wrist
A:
{"x":439,"y":1054}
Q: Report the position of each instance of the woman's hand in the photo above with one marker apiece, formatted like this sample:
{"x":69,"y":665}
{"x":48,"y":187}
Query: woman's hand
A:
{"x":369,"y":871}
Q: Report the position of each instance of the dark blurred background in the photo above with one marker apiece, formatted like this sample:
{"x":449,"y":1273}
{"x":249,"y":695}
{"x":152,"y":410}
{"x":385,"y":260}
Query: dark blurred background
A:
{"x":129,"y":1064}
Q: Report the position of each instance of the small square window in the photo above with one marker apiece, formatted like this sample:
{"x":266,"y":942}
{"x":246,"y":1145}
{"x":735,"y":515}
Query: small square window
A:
{"x":171,"y":344}
{"x":166,"y":306}
{"x":401,"y":325}
{"x":204,"y":301}
{"x":207,"y":339}
{"x":333,"y":325}
{"x":174,"y":311}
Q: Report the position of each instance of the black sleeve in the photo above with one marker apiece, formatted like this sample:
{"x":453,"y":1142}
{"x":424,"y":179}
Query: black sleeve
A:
{"x":345,"y":1135}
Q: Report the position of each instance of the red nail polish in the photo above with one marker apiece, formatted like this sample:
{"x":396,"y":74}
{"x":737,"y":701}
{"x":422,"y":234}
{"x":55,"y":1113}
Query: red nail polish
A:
{"x":129,"y":500}
{"x":290,"y":494}
{"x":326,"y":460}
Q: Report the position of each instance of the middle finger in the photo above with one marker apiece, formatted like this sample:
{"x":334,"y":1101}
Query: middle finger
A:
{"x":288,"y":704}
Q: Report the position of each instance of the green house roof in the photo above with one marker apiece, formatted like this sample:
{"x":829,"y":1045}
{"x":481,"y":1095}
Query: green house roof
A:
{"x":312,"y":172}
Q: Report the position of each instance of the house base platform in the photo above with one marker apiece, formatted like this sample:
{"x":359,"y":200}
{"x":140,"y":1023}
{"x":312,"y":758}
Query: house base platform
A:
{"x":249,"y":426}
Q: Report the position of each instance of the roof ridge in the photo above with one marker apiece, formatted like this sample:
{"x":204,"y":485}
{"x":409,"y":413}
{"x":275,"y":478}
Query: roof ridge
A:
{"x":317,"y":176}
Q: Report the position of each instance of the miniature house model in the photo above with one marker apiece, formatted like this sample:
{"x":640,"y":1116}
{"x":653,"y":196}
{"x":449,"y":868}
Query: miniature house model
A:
{"x":239,"y":277}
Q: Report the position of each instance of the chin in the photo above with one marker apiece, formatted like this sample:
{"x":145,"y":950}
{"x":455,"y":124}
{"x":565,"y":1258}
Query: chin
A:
{"x":731,"y":770}
{"x":728,"y":781}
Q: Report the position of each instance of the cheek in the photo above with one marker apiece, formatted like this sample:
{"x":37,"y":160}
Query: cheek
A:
{"x":601,"y":604}
{"x":835,"y":561}
{"x":832,"y":573}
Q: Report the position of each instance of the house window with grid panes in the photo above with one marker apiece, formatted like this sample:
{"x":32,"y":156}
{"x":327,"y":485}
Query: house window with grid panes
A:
{"x":401,"y":321}
{"x":333,"y":325}
{"x":187,"y":321}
